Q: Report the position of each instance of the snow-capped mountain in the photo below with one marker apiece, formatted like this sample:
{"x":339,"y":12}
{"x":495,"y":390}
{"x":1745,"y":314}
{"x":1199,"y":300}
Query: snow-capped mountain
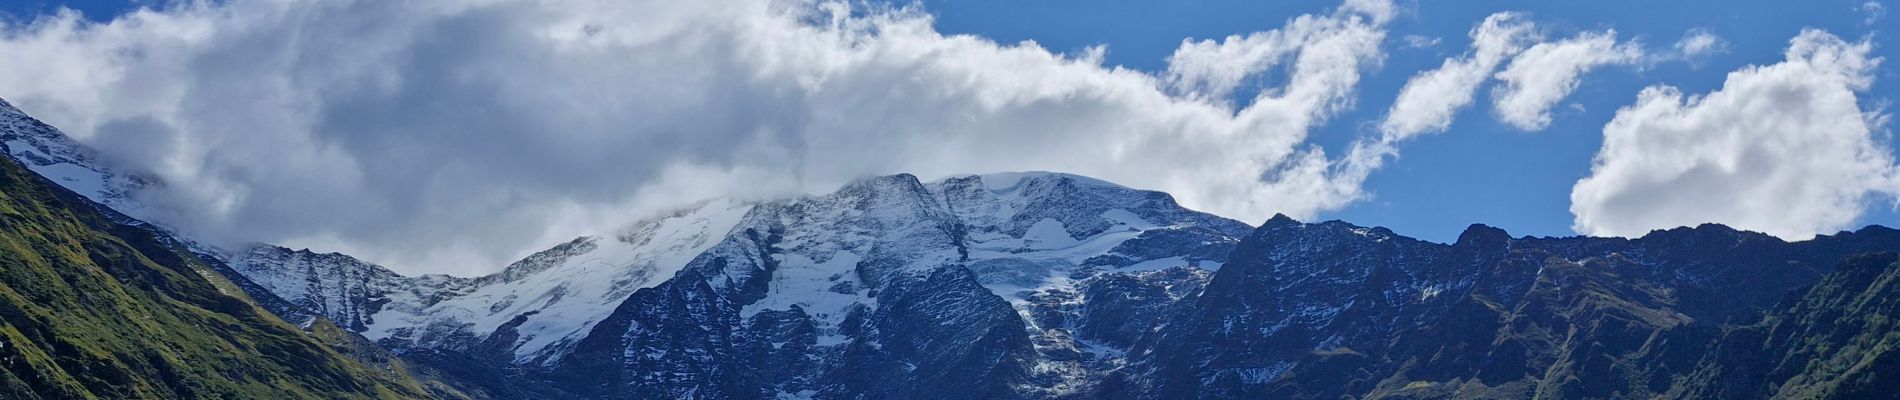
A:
{"x":892,"y":287}
{"x":1017,"y":247}
{"x":546,"y":301}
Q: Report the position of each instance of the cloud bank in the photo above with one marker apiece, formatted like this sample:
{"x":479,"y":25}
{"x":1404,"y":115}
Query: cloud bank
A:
{"x":452,"y":136}
{"x":1783,"y":149}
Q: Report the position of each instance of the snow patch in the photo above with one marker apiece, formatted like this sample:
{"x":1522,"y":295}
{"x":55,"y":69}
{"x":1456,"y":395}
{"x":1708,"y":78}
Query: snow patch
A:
{"x":1048,"y":234}
{"x":826,"y":290}
{"x":1127,"y":218}
{"x":82,"y":180}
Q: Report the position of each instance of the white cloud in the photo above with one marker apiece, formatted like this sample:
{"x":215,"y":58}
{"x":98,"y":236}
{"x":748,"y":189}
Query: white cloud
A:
{"x":1209,"y":69}
{"x":1783,"y":149}
{"x":1426,"y":104}
{"x":1212,"y":70}
{"x":1429,"y":99}
{"x":1420,"y":42}
{"x":1544,"y":74}
{"x":1874,"y":11}
{"x":1698,"y":43}
{"x":451,"y":136}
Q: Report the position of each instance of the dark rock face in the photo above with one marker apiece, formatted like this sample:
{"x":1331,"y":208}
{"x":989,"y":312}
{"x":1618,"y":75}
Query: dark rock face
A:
{"x":939,"y":335}
{"x":1120,"y":308}
{"x":1333,"y":310}
{"x":680,"y":339}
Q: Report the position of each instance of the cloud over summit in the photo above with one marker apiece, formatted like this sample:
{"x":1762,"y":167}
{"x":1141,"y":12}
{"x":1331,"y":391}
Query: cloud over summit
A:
{"x":451,"y":136}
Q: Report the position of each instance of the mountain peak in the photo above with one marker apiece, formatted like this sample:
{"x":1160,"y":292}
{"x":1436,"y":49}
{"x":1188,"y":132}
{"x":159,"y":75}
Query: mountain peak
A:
{"x":1006,"y":181}
{"x":1706,"y":233}
{"x":884,"y":184}
{"x":1482,"y":235}
{"x":1280,"y":220}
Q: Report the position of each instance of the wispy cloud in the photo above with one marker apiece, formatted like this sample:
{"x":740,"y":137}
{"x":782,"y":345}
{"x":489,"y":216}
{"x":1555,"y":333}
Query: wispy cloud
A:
{"x":1430,"y":98}
{"x":1698,"y":43}
{"x":1545,"y":74}
{"x":1421,"y":42}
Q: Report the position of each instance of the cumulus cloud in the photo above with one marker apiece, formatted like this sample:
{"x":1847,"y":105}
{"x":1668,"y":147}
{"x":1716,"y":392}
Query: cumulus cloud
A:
{"x":1783,"y":149}
{"x":452,"y":136}
{"x":1544,"y":74}
{"x":1874,"y":12}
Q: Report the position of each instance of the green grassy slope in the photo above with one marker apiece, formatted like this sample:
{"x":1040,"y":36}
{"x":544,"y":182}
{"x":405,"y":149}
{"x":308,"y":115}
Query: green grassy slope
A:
{"x":90,"y":308}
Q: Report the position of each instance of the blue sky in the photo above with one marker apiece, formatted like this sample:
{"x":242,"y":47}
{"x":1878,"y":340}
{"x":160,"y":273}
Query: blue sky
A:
{"x":1481,"y":171}
{"x":379,"y":129}
{"x":96,"y":9}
